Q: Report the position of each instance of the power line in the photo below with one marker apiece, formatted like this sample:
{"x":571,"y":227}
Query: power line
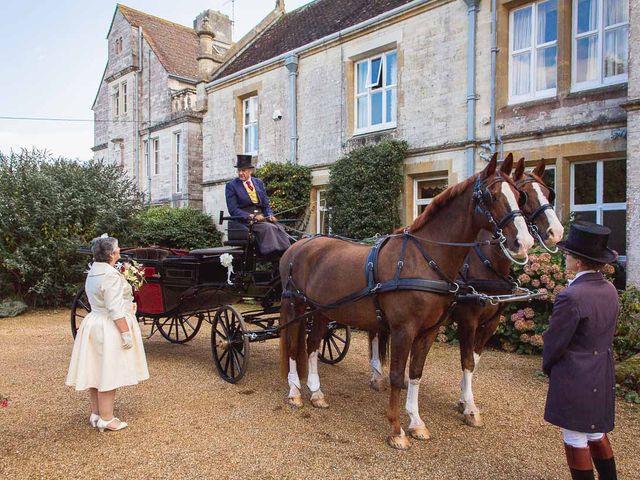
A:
{"x":53,"y":119}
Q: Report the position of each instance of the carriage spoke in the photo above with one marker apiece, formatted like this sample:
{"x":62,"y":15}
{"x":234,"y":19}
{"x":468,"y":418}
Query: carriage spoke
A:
{"x":235,"y":360}
{"x":338,"y":337}
{"x":184,"y":329}
{"x":333,"y":342}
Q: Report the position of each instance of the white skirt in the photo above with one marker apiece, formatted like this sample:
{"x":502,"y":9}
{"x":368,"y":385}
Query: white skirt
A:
{"x":98,"y":359}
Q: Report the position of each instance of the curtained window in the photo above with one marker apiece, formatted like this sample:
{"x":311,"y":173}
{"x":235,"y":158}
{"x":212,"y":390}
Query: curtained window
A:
{"x":376,"y":92}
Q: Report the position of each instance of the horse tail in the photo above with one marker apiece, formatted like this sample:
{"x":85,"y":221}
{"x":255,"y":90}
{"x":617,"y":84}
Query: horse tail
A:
{"x":293,"y":337}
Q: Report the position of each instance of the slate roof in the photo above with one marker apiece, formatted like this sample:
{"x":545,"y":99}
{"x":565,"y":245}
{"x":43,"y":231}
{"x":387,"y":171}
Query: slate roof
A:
{"x":305,"y":25}
{"x":176,"y":46}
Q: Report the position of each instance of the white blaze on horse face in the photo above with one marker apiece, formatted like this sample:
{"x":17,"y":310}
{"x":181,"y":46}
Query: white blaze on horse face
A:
{"x":376,"y":366}
{"x":411,"y":405}
{"x":313,"y":379}
{"x":555,"y":230}
{"x":525,"y":240}
{"x":293,"y":379}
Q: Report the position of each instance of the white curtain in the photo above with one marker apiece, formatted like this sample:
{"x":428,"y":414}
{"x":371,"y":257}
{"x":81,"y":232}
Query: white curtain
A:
{"x":521,"y":74}
{"x":587,"y":61}
{"x":522,"y":29}
{"x":615,"y":11}
{"x":546,"y":68}
{"x":615,"y":52}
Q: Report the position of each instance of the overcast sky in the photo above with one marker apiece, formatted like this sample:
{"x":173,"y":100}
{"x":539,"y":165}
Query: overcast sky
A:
{"x":53,"y":53}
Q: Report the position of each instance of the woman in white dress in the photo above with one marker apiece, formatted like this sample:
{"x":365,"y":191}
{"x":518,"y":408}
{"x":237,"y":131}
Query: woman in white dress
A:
{"x":108,"y":351}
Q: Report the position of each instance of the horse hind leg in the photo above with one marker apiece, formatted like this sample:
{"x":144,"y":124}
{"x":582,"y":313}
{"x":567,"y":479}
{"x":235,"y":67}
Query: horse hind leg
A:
{"x":377,"y":352}
{"x":317,"y":333}
{"x":292,"y":349}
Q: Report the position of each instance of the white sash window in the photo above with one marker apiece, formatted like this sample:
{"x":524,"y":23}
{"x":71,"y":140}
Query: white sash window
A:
{"x":376,"y":81}
{"x":250,"y":125}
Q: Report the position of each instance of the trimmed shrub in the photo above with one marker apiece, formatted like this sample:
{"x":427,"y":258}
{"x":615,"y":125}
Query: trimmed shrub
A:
{"x":169,"y":227}
{"x":365,"y":188}
{"x":49,"y":207}
{"x":288,"y":186}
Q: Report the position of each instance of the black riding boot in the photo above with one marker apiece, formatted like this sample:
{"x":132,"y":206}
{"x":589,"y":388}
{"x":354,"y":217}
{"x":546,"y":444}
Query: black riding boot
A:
{"x":602,"y":455}
{"x":579,"y":461}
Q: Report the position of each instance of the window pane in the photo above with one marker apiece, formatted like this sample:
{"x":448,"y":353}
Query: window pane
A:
{"x":431,"y":187}
{"x":547,"y":22}
{"x":615,"y":181}
{"x":615,"y":11}
{"x":247,"y":118}
{"x":616,"y":220}
{"x":587,"y":15}
{"x":253,"y":109}
{"x":376,"y":73}
{"x":247,"y":141}
{"x":391,"y":68}
{"x":391,"y":105}
{"x":549,"y":177}
{"x":586,"y":216}
{"x":254,"y":138}
{"x":376,"y":108}
{"x":521,"y":73}
{"x":362,"y":77}
{"x":522,"y":28}
{"x":615,"y":52}
{"x":363,"y":121}
{"x":584,"y":187}
{"x":586,"y":57}
{"x":546,"y":68}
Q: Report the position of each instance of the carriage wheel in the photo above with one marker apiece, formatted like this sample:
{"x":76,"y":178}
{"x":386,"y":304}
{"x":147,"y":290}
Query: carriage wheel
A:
{"x":179,"y":328}
{"x":229,"y":344}
{"x":335,"y":344}
{"x":79,"y":309}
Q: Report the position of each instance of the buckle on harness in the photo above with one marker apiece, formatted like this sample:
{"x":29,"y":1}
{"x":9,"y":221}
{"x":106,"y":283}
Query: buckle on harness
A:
{"x":457,"y":288}
{"x":376,"y":288}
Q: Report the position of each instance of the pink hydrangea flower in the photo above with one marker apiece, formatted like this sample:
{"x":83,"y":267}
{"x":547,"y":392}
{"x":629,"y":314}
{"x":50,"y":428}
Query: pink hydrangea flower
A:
{"x":524,"y":338}
{"x":537,"y":340}
{"x":442,"y":338}
{"x":544,"y":278}
{"x":551,"y":284}
{"x":514,"y":317}
{"x":535,"y":282}
{"x":524,"y":278}
{"x":529,"y":312}
{"x":545,"y":257}
{"x":520,"y":325}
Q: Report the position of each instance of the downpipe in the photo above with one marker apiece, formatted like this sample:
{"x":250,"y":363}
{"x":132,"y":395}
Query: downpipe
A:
{"x":472,"y":11}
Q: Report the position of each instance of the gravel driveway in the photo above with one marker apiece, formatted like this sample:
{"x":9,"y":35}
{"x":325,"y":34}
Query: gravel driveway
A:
{"x":187,"y":423}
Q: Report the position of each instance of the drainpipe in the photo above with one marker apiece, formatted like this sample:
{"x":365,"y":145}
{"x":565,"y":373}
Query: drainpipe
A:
{"x":291,"y":62}
{"x":136,"y":114}
{"x":471,"y":85}
{"x":494,"y":58}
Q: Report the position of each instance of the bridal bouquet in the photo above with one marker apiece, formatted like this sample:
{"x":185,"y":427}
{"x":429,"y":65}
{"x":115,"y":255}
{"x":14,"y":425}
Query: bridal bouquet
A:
{"x":133,"y":272}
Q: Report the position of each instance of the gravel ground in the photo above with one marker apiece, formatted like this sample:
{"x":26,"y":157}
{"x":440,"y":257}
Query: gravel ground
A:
{"x":187,"y":423}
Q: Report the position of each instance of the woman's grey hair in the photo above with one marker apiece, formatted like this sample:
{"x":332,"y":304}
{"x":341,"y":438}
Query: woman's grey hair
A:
{"x":103,"y":247}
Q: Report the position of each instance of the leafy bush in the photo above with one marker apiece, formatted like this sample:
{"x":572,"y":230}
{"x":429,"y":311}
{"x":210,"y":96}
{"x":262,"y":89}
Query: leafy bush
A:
{"x":288,"y":186}
{"x":48,"y":208}
{"x":365,"y":189}
{"x":627,"y":341}
{"x":169,"y":227}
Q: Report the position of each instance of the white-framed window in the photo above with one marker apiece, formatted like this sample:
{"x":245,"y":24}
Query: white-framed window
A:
{"x":425,"y":189}
{"x":124,"y":96}
{"x":600,"y":53}
{"x":599,"y":194}
{"x":533,"y":51}
{"x":156,"y":156}
{"x":115,"y":101}
{"x":250,"y":125}
{"x":322,"y":215}
{"x":376,"y":81}
{"x":178,"y":161}
{"x":147,"y":164}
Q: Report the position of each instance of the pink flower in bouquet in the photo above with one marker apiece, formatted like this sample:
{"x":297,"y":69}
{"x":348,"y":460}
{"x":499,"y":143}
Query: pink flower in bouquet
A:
{"x":442,"y":338}
{"x":524,"y":338}
{"x":520,"y":314}
{"x":520,"y":325}
{"x":537,"y":340}
{"x":608,"y":269}
{"x":544,"y":278}
{"x":558,"y":276}
{"x":551,"y":284}
{"x":514,"y":317}
{"x":527,"y":269}
{"x":530,"y":324}
{"x":524,"y":278}
{"x":533,"y":258}
{"x":555,"y":268}
{"x":545,"y":257}
{"x":535,"y":282}
{"x":442,"y":329}
{"x":535,"y":266}
{"x":529,"y":312}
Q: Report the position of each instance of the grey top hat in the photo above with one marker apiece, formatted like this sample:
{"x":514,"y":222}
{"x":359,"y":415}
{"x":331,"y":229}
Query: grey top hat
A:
{"x":244,"y":161}
{"x":589,"y":240}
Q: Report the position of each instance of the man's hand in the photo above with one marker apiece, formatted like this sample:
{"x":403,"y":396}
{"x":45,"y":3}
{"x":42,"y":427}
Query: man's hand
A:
{"x":272,"y":219}
{"x":259,"y":218}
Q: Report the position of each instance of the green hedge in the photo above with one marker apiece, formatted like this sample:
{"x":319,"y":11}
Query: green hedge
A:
{"x":288,"y":186}
{"x":169,"y":227}
{"x":365,"y":188}
{"x":48,"y":208}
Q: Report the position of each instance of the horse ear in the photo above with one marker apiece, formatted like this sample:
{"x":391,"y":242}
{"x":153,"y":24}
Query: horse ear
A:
{"x":490,"y":169}
{"x":519,"y":171}
{"x":539,"y":170}
{"x":507,"y":164}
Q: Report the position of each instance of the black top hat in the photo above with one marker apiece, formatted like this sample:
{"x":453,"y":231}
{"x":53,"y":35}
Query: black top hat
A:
{"x":589,"y":240}
{"x":244,"y":161}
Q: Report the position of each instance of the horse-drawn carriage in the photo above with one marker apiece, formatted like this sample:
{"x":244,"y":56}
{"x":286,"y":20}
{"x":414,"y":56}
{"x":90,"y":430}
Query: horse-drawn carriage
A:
{"x":183,"y":289}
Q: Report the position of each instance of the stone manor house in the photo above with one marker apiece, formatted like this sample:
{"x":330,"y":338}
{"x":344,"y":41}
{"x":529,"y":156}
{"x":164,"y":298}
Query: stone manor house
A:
{"x":456,"y":79}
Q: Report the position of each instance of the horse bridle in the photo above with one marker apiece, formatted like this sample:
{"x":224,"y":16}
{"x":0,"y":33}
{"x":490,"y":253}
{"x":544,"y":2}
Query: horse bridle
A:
{"x":483,"y":197}
{"x":538,"y":211}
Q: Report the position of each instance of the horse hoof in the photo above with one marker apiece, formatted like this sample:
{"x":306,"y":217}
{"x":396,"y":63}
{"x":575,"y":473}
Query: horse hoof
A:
{"x":378,"y":385}
{"x":420,"y":433}
{"x":319,"y":402}
{"x":296,"y":402}
{"x":473,"y":420}
{"x":459,"y":407}
{"x":399,"y":442}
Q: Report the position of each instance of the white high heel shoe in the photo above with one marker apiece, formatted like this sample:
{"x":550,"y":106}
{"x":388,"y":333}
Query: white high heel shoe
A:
{"x":103,"y":424}
{"x":93,"y":420}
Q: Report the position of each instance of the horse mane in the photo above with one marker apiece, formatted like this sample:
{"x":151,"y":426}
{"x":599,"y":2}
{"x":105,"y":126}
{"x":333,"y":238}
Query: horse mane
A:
{"x":443,"y":199}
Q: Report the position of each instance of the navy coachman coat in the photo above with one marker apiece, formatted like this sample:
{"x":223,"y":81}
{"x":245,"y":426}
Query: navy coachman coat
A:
{"x":238,"y":198}
{"x":578,"y":356}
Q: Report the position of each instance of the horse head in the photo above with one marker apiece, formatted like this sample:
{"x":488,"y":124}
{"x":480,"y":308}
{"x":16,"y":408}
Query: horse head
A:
{"x":538,"y":207}
{"x":497,"y":201}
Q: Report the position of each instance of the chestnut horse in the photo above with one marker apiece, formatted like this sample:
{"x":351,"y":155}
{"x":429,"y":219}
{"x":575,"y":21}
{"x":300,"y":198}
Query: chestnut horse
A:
{"x":488,"y":270}
{"x":321,"y":271}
